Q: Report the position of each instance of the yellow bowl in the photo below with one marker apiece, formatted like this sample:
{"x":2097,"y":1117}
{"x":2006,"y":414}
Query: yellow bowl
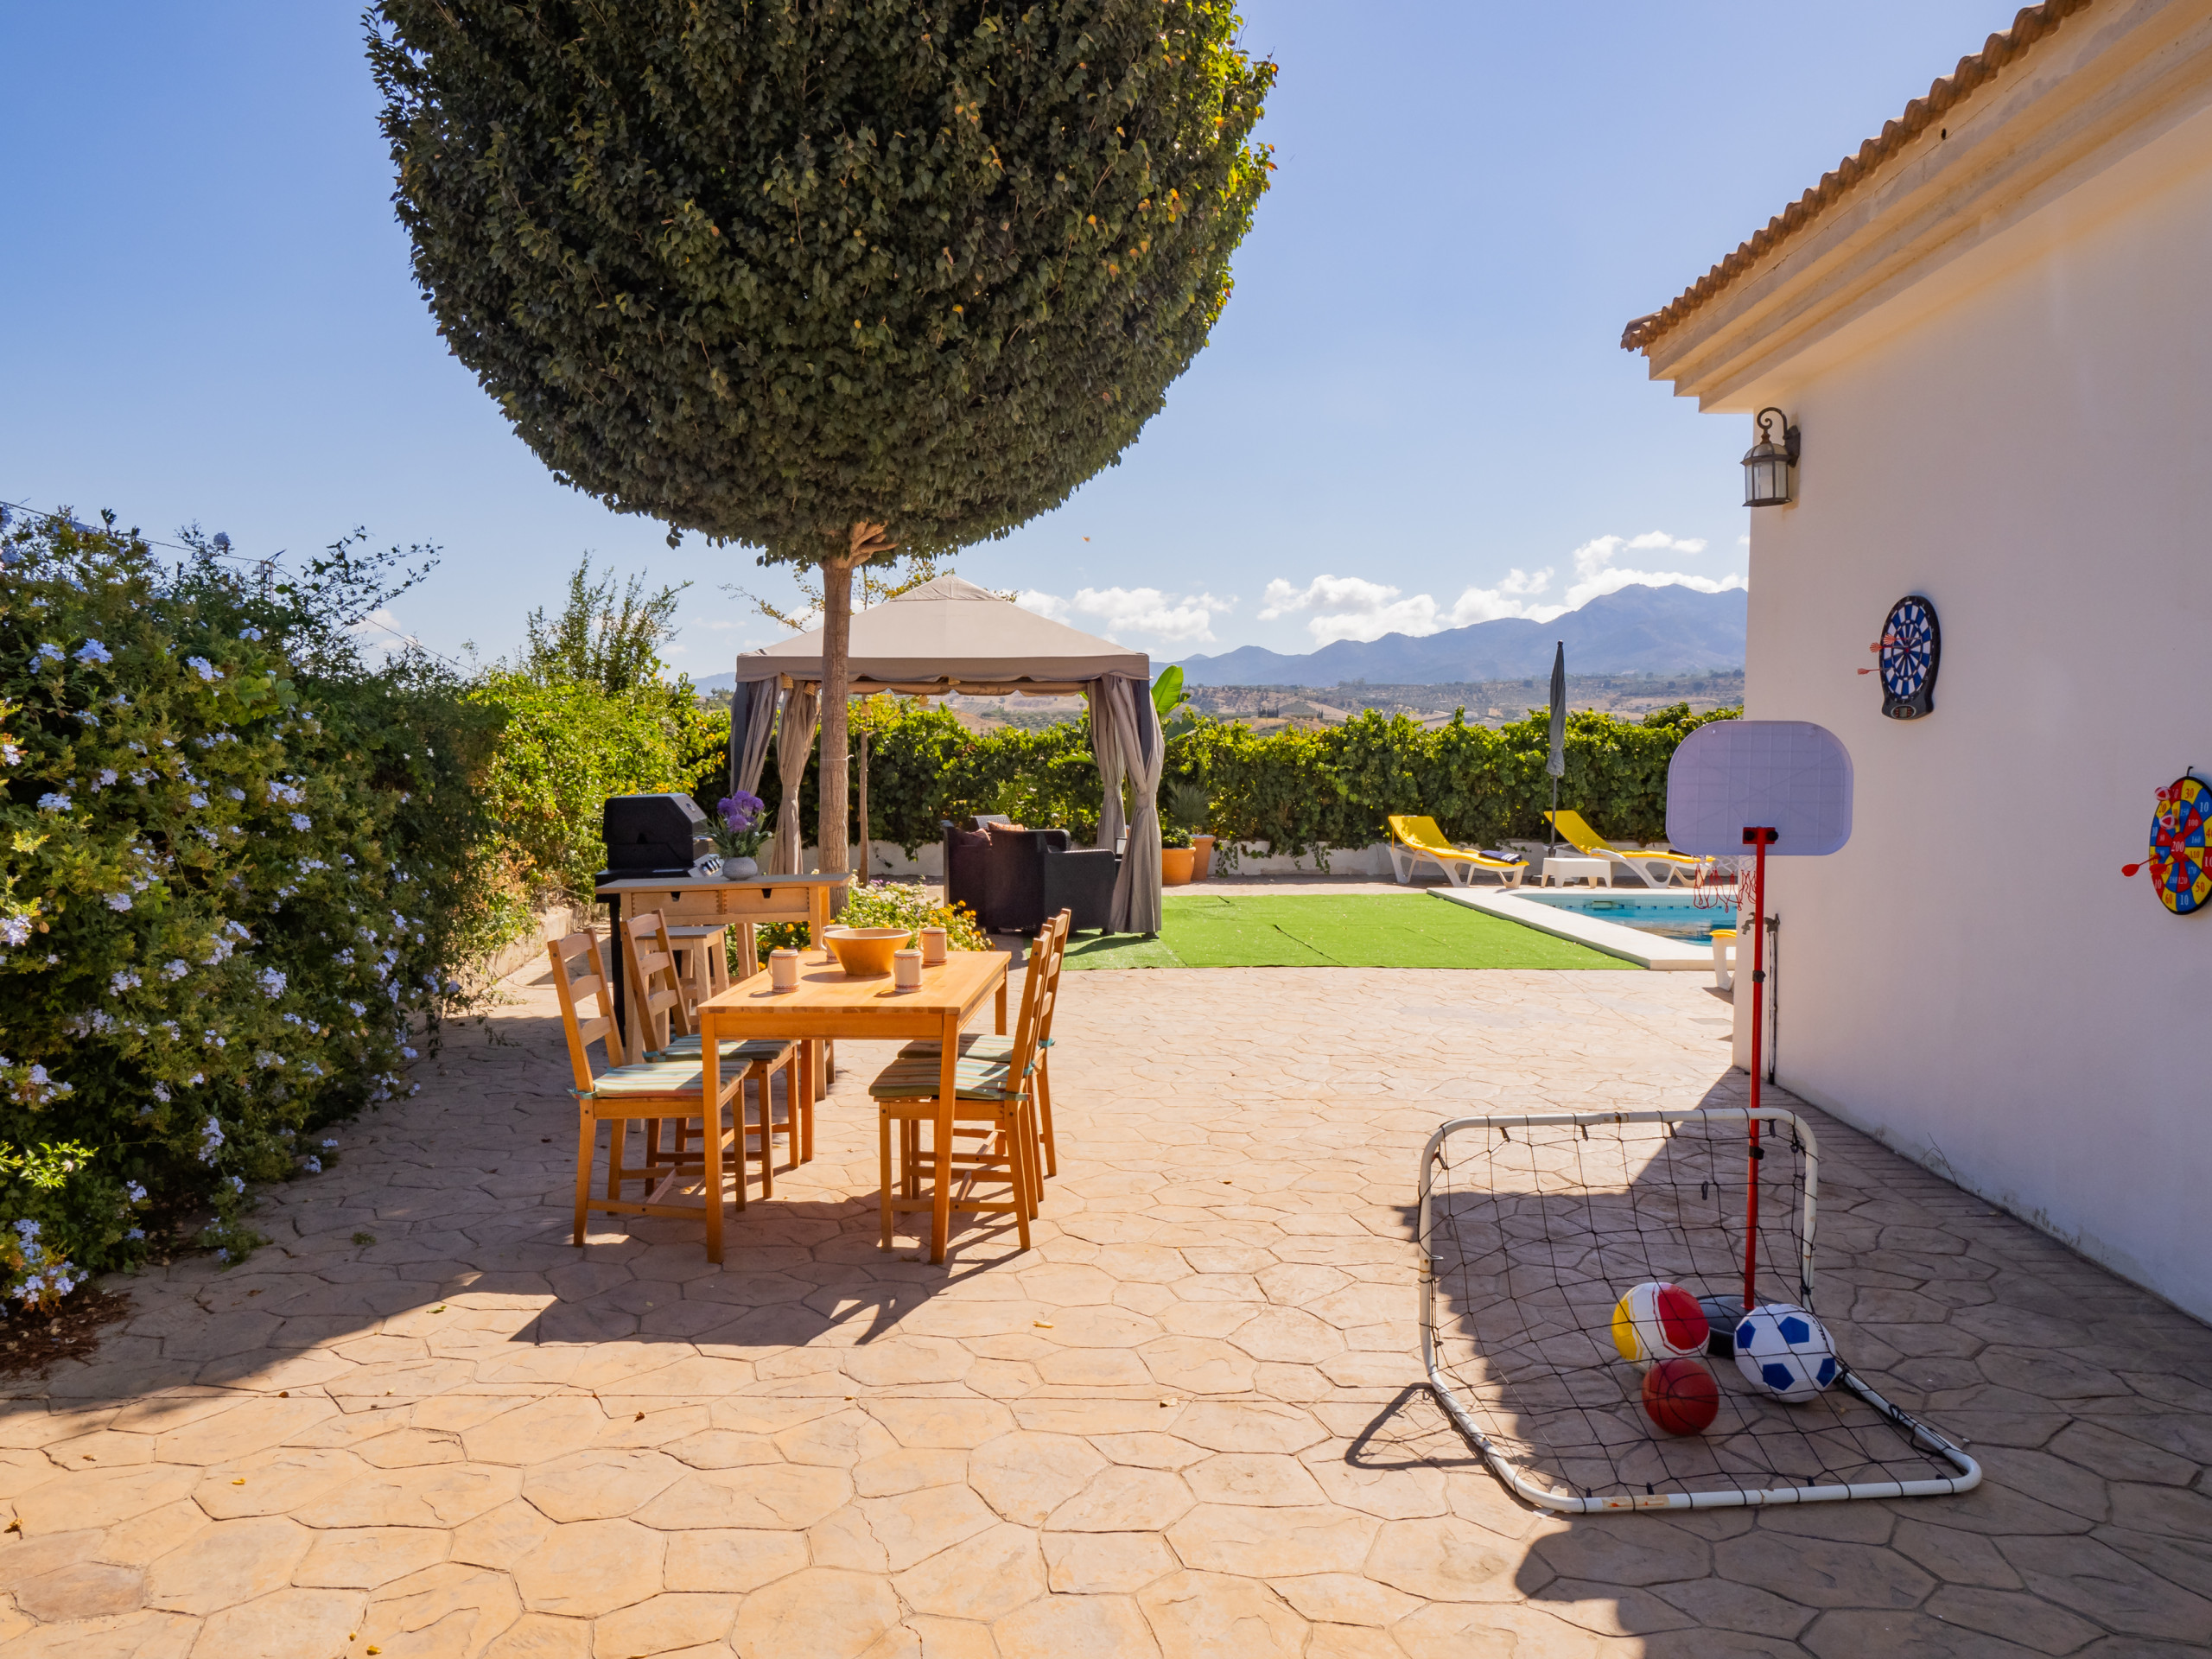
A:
{"x":865,"y":952}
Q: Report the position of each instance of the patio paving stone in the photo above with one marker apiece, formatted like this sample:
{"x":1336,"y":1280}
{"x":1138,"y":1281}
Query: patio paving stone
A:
{"x":1185,"y":1423}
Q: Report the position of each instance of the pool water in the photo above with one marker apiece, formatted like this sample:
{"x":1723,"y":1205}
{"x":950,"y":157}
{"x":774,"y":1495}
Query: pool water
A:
{"x":1685,"y":922}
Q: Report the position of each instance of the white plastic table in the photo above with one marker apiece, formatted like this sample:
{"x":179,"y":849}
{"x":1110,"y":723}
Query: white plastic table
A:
{"x":1563,"y":870}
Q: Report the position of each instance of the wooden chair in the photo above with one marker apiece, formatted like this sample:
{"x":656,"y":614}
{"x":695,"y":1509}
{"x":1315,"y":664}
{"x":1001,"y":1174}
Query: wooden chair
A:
{"x":643,"y":1091}
{"x":702,"y":967}
{"x":990,"y":1046}
{"x":665,"y":1030}
{"x":992,"y":1094}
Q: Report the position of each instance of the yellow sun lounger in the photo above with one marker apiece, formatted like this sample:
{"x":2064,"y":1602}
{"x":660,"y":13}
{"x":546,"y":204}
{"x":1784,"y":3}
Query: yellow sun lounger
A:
{"x":1414,"y":839}
{"x":1653,"y":869}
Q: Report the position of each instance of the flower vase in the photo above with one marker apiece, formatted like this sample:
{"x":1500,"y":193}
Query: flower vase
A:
{"x":741,"y":869}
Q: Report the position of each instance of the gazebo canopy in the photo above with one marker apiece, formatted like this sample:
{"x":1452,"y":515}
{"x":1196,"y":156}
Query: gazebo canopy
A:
{"x":947,"y":635}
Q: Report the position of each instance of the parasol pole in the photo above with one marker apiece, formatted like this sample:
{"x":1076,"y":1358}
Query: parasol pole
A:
{"x":1759,"y":839}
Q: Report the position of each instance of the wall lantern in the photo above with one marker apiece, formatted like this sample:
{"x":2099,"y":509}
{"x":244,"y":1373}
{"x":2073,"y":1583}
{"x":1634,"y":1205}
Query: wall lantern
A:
{"x":1769,"y":468}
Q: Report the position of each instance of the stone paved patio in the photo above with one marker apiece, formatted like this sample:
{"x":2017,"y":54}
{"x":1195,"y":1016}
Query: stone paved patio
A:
{"x":1182,"y":1425}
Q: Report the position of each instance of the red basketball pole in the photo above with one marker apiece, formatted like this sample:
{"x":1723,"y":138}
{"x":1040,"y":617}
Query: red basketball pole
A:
{"x":1760,"y":840}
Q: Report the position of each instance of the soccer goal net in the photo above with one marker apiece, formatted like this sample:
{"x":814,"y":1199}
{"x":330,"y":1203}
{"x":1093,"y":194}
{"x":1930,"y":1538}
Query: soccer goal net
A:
{"x":1533,"y":1227}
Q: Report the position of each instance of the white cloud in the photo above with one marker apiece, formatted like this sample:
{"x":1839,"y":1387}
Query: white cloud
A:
{"x":380,"y":633}
{"x":1186,"y":621}
{"x":1351,"y":607}
{"x":720,"y":626}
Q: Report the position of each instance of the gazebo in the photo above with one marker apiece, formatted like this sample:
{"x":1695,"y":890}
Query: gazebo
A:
{"x":949,"y":635}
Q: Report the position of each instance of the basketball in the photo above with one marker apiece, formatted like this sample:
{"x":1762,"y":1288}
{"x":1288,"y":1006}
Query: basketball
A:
{"x":1658,"y":1321}
{"x":1680,"y":1397}
{"x":1784,"y":1351}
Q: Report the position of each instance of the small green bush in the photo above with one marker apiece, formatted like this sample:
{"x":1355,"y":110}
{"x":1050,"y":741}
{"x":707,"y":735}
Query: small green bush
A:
{"x":235,"y":865}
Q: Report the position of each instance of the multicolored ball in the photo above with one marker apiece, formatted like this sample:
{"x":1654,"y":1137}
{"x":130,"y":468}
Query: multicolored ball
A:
{"x":1783,"y":1351}
{"x":1658,"y":1321}
{"x":1680,"y":1397}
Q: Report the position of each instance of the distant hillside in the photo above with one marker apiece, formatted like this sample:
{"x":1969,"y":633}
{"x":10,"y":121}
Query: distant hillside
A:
{"x":1639,"y":630}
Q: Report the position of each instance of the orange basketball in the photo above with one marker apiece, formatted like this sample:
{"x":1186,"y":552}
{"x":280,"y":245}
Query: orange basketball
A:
{"x":1680,"y":1397}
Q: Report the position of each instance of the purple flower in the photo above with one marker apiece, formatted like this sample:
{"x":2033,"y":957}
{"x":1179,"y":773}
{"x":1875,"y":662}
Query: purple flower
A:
{"x":739,"y":811}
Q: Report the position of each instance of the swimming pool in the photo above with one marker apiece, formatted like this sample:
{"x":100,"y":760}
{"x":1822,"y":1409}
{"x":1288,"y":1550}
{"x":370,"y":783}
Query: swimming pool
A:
{"x":1671,"y":915}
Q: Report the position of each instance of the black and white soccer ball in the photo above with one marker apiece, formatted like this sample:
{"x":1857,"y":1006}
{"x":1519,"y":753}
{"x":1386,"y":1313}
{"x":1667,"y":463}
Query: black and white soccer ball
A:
{"x":1783,"y":1351}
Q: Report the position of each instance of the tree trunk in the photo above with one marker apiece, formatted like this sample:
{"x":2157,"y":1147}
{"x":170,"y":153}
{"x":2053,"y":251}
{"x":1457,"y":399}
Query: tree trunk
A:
{"x":865,"y":541}
{"x":836,"y":673}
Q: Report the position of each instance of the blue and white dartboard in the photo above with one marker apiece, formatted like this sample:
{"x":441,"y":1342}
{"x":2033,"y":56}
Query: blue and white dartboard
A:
{"x":1910,"y":647}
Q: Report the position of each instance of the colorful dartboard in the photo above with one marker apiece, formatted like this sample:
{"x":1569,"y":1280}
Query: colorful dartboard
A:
{"x":2180,"y":862}
{"x":1911,"y":646}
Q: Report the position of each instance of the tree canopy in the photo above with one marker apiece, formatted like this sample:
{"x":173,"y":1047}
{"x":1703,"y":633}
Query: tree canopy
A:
{"x":828,"y":278}
{"x":769,"y":269}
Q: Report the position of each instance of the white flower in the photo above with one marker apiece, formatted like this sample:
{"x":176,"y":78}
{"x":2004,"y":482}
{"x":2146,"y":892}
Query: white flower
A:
{"x":222,"y":1253}
{"x":359,"y":1008}
{"x":123,"y":980}
{"x":93,"y":651}
{"x":211,"y":1141}
{"x":197,"y":1077}
{"x":197,"y":799}
{"x":10,"y":754}
{"x":235,"y":794}
{"x":118,"y":901}
{"x":203,"y":668}
{"x":135,"y":1193}
{"x":14,"y":930}
{"x":301,"y":821}
{"x":135,"y":1234}
{"x":344,"y":958}
{"x":46,"y":654}
{"x":176,"y":968}
{"x":406,"y":1053}
{"x":27,"y":1230}
{"x":330,"y":1145}
{"x":88,"y":717}
{"x":249,"y":634}
{"x":282,"y":793}
{"x":214,"y":1041}
{"x":106,"y":778}
{"x":162,"y":1094}
{"x":238,"y":1184}
{"x":271,"y":982}
{"x":268,"y":1061}
{"x":314,"y":1166}
{"x":53,"y":802}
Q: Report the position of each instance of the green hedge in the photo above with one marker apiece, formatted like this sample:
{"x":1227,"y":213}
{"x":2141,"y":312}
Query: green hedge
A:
{"x":235,"y":866}
{"x":1297,"y":791}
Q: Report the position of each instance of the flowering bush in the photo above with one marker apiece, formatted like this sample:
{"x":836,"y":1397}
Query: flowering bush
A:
{"x":740,"y":825}
{"x":235,"y":867}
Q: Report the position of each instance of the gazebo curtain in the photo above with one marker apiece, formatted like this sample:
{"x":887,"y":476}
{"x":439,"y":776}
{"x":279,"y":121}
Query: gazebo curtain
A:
{"x":1126,"y":739}
{"x":794,"y":739}
{"x":752,"y":714}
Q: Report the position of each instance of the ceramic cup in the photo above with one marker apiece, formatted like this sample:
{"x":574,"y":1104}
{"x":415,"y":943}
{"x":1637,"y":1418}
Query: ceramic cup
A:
{"x":783,"y":970}
{"x":932,"y":946}
{"x":906,"y":970}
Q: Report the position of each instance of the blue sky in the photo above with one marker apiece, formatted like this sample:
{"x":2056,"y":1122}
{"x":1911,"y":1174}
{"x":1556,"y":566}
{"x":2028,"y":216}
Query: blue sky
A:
{"x":1415,"y":408}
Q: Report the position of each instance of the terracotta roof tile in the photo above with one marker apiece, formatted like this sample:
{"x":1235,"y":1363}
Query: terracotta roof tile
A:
{"x":1973,"y":73}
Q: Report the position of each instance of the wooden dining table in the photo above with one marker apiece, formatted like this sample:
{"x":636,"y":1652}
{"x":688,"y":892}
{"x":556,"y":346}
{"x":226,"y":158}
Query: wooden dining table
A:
{"x":828,"y":1002}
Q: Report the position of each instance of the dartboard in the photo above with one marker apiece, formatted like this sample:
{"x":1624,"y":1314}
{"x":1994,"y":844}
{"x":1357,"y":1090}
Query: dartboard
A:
{"x":2179,"y":861}
{"x":1911,"y":642}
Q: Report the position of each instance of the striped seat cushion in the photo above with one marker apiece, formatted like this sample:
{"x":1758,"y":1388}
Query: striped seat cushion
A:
{"x":917,"y":1078}
{"x":678,"y":1077}
{"x":734,"y":1050}
{"x":974,"y":1045}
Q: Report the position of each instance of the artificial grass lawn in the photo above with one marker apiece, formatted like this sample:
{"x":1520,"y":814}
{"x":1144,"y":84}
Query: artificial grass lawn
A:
{"x":1357,"y":930}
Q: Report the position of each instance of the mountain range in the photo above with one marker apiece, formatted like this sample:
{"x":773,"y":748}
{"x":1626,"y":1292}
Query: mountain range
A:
{"x":1636,"y":630}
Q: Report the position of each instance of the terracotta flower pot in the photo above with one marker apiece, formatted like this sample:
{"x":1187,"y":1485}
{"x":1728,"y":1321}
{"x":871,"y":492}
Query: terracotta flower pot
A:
{"x":1175,"y":866}
{"x":1202,"y":846}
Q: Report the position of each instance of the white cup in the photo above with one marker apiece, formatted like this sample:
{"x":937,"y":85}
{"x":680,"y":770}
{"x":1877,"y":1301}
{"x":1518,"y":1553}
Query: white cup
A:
{"x":907,"y":971}
{"x":783,"y":970}
{"x":932,"y":946}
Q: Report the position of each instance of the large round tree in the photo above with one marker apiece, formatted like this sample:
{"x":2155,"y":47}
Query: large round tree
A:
{"x":826,"y":277}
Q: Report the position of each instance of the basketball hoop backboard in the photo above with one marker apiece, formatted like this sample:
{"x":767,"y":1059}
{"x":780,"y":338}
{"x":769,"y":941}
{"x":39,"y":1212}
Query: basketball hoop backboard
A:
{"x":1788,"y":775}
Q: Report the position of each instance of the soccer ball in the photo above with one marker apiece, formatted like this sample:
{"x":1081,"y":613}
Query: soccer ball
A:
{"x":1784,"y":1352}
{"x":1658,"y":1321}
{"x":1680,"y":1397}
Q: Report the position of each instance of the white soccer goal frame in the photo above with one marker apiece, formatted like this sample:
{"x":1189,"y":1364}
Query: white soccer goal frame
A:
{"x":1917,"y":1432}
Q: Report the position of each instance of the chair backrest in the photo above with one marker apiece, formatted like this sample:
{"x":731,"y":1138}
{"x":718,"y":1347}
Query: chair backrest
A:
{"x":1057,"y":928}
{"x":1416,"y":831}
{"x":656,"y":994}
{"x":1035,"y":1006}
{"x":592,"y":982}
{"x":1580,"y":834}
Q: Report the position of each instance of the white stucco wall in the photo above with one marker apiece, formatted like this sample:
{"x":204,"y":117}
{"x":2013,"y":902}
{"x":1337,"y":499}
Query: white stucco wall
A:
{"x":1971,"y":979}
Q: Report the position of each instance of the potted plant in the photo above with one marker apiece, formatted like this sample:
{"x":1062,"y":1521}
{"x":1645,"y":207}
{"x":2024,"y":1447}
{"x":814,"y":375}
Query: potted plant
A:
{"x":1186,"y":810}
{"x":1175,"y":856}
{"x":739,"y":830}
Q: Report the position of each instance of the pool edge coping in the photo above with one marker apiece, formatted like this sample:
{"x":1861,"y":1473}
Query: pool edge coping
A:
{"x":1645,"y":950}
